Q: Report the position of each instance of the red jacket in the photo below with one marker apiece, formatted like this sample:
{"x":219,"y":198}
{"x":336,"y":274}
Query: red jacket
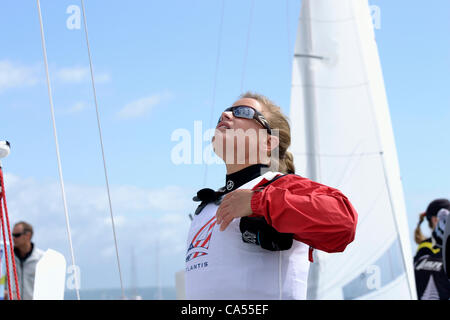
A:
{"x":317,"y":215}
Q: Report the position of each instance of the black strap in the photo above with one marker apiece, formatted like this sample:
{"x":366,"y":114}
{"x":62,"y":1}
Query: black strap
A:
{"x":256,"y":230}
{"x":207,"y":195}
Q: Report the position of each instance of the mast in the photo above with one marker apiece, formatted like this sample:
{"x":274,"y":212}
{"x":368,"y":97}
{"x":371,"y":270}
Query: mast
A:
{"x":306,"y":61}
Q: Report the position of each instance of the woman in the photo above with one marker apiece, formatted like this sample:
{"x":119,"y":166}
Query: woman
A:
{"x":431,"y":215}
{"x":253,"y":238}
{"x":431,"y":280}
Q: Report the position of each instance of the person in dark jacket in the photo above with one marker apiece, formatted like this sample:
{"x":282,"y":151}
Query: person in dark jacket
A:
{"x":431,"y":280}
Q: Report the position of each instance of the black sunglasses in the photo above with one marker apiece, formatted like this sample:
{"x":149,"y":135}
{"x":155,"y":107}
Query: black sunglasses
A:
{"x":247,"y":112}
{"x":16,"y":235}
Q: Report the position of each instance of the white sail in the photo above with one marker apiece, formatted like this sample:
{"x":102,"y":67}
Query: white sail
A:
{"x":342,"y":137}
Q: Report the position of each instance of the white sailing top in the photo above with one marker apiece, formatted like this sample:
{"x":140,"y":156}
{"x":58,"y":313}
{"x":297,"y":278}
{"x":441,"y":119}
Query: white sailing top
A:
{"x":220,"y":265}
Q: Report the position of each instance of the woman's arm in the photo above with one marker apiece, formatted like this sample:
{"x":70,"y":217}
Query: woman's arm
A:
{"x":317,"y":215}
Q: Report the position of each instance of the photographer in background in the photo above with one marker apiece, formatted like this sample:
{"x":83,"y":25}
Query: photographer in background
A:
{"x":431,"y":280}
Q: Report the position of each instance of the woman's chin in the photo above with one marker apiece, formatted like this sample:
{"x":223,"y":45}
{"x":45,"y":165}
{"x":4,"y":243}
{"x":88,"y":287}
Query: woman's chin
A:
{"x":220,"y":137}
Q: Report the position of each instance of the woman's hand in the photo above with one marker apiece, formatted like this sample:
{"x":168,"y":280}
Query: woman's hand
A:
{"x":235,"y":204}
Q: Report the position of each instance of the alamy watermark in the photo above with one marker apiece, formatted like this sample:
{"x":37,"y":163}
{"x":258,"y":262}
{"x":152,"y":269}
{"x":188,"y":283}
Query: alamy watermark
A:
{"x":73,"y":278}
{"x":224,"y":145}
{"x":73,"y":22}
{"x":375,"y":13}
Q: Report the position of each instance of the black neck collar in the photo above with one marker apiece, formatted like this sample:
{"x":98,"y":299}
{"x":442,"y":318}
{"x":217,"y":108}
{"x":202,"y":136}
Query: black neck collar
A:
{"x":241,"y":177}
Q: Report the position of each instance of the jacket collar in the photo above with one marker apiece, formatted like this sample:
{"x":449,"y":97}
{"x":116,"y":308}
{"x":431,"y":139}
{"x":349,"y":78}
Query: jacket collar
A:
{"x":234,"y":180}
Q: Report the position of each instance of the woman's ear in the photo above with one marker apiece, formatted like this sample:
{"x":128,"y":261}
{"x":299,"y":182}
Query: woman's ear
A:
{"x":272,"y":142}
{"x":267,"y":149}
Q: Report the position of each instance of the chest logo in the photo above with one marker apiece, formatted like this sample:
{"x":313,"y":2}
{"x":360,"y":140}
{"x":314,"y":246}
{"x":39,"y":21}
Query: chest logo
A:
{"x":200,"y":243}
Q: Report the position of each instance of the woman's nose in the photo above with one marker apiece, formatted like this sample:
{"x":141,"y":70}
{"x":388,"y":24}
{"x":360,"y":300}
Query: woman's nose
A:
{"x":226,"y":115}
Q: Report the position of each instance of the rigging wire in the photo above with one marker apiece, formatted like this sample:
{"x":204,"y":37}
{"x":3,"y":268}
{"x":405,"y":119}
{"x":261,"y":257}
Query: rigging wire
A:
{"x":55,"y":134}
{"x":102,"y":148}
{"x":288,"y":38}
{"x":246,"y":44}
{"x":216,"y":71}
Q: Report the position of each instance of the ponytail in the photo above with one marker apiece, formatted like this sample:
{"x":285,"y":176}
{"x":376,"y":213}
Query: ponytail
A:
{"x":288,"y":162}
{"x":418,"y":235}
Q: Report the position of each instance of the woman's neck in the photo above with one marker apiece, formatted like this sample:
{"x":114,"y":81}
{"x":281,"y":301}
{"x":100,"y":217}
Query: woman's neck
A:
{"x":235,"y":167}
{"x":232,"y":168}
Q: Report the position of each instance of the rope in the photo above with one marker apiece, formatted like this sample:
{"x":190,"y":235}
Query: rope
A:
{"x":52,"y":111}
{"x":101,"y":145}
{"x":215,"y":78}
{"x":3,"y":201}
{"x":3,"y":197}
{"x":6,"y":249}
{"x":246,"y":44}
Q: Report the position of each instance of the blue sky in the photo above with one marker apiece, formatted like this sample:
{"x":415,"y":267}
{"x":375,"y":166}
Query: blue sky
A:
{"x":155,"y":65}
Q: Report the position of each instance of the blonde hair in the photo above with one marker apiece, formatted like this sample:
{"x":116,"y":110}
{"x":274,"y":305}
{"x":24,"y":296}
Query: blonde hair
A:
{"x":277,"y":120}
{"x":418,"y":235}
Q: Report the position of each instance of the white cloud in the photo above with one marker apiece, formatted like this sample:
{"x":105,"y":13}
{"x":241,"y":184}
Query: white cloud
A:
{"x":15,"y":75}
{"x":141,"y":215}
{"x":102,"y":77}
{"x":72,"y":74}
{"x":78,"y":74}
{"x":76,"y":107}
{"x":142,"y":107}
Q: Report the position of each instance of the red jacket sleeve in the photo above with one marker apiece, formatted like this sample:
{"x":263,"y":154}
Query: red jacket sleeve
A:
{"x":317,"y":215}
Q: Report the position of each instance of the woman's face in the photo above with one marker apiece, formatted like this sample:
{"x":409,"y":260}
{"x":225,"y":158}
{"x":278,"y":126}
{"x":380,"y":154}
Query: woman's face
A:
{"x":236,"y":140}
